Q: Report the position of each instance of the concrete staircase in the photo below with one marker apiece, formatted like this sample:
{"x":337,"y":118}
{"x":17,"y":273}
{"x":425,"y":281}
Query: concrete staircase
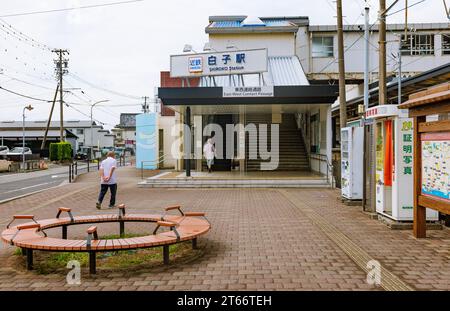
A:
{"x":233,"y":183}
{"x":292,"y":151}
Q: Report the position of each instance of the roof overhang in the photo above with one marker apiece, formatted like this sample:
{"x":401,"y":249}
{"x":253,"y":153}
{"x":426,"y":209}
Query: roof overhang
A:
{"x":302,"y":94}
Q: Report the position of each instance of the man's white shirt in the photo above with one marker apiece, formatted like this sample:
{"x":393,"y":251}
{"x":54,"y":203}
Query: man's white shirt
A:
{"x":107,"y":165}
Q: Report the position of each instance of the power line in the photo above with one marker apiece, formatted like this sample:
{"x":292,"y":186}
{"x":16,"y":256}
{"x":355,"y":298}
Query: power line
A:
{"x":361,"y":36}
{"x":70,"y":9}
{"x":104,"y":89}
{"x":28,"y":83}
{"x":19,"y":35}
{"x":25,"y":96}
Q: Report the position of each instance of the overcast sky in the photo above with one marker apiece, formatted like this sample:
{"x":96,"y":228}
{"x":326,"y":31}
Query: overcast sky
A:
{"x":124,"y":47}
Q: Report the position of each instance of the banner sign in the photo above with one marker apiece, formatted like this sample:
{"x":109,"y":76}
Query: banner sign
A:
{"x":248,"y":91}
{"x":146,"y":141}
{"x":218,"y":63}
{"x":382,"y":111}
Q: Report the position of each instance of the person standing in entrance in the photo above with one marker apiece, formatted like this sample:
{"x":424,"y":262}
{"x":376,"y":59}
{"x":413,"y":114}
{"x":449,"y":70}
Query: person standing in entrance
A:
{"x":108,"y":180}
{"x":209,"y":152}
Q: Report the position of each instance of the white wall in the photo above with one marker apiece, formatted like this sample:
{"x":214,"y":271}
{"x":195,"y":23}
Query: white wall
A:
{"x":354,"y":57}
{"x":278,"y":44}
{"x":325,"y":137}
{"x":166,"y":123}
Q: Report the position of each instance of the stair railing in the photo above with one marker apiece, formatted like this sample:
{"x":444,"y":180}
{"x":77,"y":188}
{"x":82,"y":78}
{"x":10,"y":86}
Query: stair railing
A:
{"x":330,"y":167}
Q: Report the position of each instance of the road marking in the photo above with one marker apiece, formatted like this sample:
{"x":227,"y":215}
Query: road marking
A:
{"x":389,"y":281}
{"x":56,"y":199}
{"x":29,"y":187}
{"x":55,"y":176}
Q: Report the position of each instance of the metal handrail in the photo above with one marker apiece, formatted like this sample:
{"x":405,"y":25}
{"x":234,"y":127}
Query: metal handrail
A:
{"x":154,"y":162}
{"x":330,"y":166}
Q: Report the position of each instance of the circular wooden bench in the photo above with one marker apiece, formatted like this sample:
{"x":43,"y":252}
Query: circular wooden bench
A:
{"x":31,"y":235}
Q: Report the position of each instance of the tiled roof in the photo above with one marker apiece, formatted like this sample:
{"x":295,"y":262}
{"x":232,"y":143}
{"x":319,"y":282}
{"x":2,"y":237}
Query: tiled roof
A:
{"x":237,"y":24}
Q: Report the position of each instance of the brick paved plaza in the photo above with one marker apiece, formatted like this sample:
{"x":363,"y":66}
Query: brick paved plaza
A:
{"x":261,"y":239}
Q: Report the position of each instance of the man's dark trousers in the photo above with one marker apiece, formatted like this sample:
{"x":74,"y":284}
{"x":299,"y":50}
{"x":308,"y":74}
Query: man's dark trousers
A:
{"x":104,"y":189}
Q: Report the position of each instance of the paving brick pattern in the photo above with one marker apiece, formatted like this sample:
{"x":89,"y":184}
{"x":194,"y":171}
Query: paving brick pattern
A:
{"x":259,"y":241}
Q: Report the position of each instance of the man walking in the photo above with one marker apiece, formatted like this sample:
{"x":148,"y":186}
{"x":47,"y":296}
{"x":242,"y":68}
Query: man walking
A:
{"x":108,"y":180}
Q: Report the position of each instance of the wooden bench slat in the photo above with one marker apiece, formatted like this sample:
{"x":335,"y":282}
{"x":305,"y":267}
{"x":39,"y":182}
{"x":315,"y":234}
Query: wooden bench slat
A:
{"x":64,"y":209}
{"x":92,"y":229}
{"x":172,"y":207}
{"x":166,"y":223}
{"x":28,"y":226}
{"x":194,"y":214}
{"x":23,"y":216}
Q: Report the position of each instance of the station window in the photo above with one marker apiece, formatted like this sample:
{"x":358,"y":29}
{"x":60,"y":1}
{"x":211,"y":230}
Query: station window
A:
{"x":80,"y":131}
{"x":322,"y":46}
{"x":417,"y":44}
{"x":446,"y":44}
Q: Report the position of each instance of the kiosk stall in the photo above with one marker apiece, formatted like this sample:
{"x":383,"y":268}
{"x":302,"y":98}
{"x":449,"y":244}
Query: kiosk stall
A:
{"x":431,"y":153}
{"x":394,"y":163}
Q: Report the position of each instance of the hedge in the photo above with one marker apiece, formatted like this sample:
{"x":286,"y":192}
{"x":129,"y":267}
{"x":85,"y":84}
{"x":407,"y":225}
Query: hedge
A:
{"x":60,"y":151}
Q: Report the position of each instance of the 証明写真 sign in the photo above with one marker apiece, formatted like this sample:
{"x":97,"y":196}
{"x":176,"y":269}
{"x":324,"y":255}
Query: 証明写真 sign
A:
{"x":218,"y":63}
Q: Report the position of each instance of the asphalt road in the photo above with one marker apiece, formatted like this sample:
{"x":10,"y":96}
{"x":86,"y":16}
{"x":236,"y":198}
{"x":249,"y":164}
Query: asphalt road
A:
{"x":13,"y":185}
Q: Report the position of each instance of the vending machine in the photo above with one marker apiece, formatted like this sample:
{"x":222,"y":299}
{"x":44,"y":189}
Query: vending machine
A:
{"x":352,"y":145}
{"x":394,"y":163}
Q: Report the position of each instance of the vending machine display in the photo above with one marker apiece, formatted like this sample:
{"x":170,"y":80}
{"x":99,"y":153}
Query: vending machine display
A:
{"x":352,"y":142}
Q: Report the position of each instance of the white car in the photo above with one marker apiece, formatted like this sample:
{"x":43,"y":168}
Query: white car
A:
{"x":19,"y":150}
{"x":5,"y":166}
{"x":4,"y":150}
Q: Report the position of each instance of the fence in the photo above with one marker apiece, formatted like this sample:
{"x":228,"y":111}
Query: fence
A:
{"x":74,"y":170}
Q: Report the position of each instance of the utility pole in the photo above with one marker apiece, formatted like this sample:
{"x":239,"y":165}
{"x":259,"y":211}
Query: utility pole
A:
{"x":382,"y":54}
{"x":61,"y":69}
{"x":366,"y":57}
{"x":49,"y":118}
{"x":342,"y":99}
{"x":145,"y":105}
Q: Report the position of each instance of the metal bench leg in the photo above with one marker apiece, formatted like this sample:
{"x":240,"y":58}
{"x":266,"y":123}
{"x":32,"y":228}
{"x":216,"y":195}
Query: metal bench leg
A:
{"x":122,"y":229}
{"x":64,"y":232}
{"x":194,"y":243}
{"x":29,"y":259}
{"x":92,"y":263}
{"x":166,"y":254}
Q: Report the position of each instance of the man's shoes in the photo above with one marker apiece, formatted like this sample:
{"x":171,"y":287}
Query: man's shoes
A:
{"x":111,"y":206}
{"x":98,"y":205}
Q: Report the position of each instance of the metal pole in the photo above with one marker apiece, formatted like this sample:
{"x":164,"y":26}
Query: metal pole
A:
{"x":187,"y":142}
{"x":399,"y":70}
{"x":92,"y":138}
{"x":366,"y":58}
{"x":23,"y":138}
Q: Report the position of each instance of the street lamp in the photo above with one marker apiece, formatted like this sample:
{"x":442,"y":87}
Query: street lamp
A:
{"x":92,"y":138}
{"x":29,"y":108}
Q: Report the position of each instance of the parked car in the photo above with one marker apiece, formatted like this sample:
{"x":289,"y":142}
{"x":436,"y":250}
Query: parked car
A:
{"x":4,"y":150}
{"x":19,"y":151}
{"x":83,"y":153}
{"x":119,"y":151}
{"x":5,"y":166}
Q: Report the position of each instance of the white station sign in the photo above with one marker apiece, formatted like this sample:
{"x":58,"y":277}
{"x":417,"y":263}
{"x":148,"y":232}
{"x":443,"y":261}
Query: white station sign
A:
{"x":382,"y":111}
{"x":218,"y":63}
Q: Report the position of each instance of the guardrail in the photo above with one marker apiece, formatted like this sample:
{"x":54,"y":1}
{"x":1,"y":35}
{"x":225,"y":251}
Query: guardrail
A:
{"x":151,"y":163}
{"x":73,"y":167}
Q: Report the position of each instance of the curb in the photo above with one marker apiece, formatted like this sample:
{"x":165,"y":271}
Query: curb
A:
{"x":31,"y":193}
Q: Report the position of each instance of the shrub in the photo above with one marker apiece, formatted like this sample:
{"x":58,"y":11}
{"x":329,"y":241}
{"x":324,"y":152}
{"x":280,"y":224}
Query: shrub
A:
{"x":60,"y":151}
